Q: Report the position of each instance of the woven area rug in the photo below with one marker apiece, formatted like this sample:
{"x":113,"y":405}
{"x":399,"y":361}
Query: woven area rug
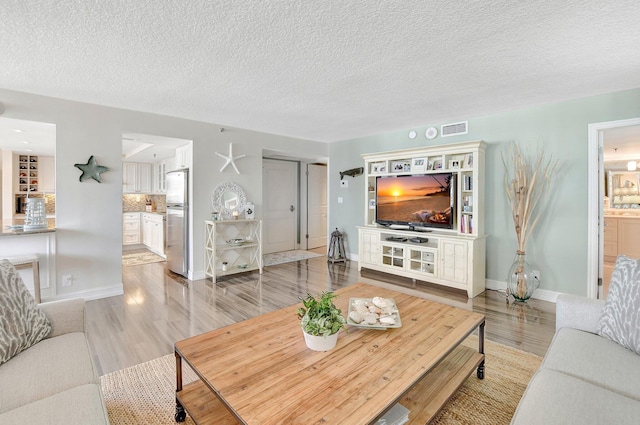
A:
{"x":135,"y":258}
{"x":287,"y":257}
{"x":145,"y":394}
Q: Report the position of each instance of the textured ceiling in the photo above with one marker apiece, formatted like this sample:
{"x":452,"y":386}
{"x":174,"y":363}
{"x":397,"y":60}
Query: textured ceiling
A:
{"x":320,"y":70}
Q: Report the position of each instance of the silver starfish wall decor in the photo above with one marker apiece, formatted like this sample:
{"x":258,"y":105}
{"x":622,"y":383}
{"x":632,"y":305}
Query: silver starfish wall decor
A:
{"x":230,"y":159}
{"x":91,"y":170}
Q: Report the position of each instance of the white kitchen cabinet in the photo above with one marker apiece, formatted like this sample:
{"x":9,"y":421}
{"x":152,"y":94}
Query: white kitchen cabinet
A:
{"x":131,"y":228}
{"x":47,"y":173}
{"x":160,"y":177}
{"x":183,"y":157}
{"x":153,"y":232}
{"x":136,"y":177}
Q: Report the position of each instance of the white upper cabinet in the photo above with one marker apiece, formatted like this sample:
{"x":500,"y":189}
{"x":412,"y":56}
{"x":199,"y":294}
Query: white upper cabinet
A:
{"x":160,"y":176}
{"x":183,"y":157}
{"x":136,"y":177}
{"x":47,"y":174}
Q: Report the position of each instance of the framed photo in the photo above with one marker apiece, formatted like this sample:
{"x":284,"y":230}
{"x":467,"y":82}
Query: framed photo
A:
{"x":372,"y":204}
{"x":400,"y":166}
{"x":429,"y":165}
{"x":418,"y":165}
{"x":468,"y":160}
{"x":454,"y":164}
{"x":378,"y":167}
{"x":437,"y":164}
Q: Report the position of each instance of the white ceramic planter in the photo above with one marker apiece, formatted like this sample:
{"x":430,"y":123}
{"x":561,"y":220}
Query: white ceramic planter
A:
{"x":320,"y":343}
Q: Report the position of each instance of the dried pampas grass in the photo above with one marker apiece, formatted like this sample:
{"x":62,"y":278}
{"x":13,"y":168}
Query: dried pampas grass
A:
{"x":527,"y":182}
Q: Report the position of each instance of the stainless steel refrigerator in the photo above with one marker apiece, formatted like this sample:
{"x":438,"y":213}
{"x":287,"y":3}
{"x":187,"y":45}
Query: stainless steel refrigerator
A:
{"x":178,"y":221}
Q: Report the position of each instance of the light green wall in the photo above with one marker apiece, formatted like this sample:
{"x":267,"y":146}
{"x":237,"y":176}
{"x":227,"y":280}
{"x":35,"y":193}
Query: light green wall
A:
{"x":559,"y":247}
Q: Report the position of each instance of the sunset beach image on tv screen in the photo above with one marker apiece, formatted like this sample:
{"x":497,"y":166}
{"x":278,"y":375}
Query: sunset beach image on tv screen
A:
{"x":415,"y":199}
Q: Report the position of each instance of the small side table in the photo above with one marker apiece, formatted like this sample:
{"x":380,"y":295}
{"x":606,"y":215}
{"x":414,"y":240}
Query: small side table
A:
{"x":27,"y":261}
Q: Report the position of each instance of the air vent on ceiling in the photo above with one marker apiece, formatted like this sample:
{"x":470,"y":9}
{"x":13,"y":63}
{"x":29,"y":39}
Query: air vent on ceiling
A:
{"x":454,"y":129}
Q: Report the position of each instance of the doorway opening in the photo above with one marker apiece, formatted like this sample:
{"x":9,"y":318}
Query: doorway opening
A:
{"x":146,"y":161}
{"x":613,"y":200}
{"x":295,"y":199}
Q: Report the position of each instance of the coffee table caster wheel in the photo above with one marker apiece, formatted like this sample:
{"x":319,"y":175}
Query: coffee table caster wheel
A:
{"x":480,"y":371}
{"x":181,"y":416}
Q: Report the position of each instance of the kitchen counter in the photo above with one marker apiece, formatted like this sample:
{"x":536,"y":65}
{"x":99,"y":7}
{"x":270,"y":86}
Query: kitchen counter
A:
{"x":158,"y":212}
{"x":622,"y":212}
{"x":623,"y":216}
{"x":10,"y":231}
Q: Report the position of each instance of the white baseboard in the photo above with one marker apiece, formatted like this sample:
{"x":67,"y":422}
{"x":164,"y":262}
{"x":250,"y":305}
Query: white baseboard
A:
{"x":89,"y":295}
{"x":539,"y":294}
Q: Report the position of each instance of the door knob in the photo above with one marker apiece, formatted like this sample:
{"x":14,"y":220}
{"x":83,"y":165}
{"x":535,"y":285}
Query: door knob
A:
{"x":292,"y":208}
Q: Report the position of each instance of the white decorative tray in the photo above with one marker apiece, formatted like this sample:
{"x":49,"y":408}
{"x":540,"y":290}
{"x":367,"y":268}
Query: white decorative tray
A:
{"x":391,"y":311}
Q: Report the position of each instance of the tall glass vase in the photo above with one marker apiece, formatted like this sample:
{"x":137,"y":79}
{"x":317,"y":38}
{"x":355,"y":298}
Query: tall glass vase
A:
{"x":521,"y":283}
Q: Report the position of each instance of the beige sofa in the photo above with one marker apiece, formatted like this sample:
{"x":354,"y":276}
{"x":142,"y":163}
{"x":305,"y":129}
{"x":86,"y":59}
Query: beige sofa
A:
{"x":584,"y":378}
{"x":54,"y":381}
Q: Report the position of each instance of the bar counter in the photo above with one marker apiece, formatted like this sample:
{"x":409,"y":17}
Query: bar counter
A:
{"x":8,"y":228}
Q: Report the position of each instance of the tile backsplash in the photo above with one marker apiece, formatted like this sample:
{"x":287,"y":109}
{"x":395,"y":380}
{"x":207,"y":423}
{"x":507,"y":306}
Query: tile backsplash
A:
{"x":132,"y":203}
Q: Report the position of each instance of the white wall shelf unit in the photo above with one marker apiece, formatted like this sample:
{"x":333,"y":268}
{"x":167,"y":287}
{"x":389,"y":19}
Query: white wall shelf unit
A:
{"x":27,"y":177}
{"x":243,"y":256}
{"x":452,"y":257}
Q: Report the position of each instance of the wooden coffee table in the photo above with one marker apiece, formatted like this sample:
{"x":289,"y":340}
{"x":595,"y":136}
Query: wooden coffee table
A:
{"x":260,"y":372}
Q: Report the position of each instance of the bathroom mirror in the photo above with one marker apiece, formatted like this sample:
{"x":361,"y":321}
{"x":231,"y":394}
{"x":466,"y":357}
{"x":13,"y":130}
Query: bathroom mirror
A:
{"x":227,"y":198}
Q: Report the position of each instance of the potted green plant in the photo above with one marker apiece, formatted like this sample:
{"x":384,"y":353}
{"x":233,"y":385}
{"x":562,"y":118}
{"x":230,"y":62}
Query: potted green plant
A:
{"x":320,"y":320}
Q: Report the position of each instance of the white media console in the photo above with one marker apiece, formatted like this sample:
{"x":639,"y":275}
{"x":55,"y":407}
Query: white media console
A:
{"x":451,"y":257}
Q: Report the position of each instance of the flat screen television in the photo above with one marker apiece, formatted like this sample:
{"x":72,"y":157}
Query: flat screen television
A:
{"x":416,"y":201}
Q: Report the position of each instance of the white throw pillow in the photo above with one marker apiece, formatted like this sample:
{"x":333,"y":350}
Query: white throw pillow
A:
{"x":22,"y":324}
{"x":620,"y":320}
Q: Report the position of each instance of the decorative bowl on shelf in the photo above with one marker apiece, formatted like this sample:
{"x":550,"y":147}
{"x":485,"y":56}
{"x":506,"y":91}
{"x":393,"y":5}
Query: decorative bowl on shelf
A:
{"x":236,"y":242}
{"x":243,"y":266}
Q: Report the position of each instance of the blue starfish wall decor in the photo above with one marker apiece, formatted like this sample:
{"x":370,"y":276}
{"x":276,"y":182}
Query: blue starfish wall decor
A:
{"x":91,"y":170}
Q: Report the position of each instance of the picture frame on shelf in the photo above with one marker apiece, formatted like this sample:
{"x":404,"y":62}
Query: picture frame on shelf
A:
{"x":400,"y":166}
{"x":454,"y":164}
{"x":372,"y":204}
{"x":418,"y":165}
{"x":378,"y":168}
{"x":468,"y":160}
{"x":437,"y":164}
{"x":429,"y":165}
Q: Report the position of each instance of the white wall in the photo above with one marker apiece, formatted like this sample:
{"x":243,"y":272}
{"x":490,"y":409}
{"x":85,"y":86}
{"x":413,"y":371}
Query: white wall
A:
{"x":89,"y":214}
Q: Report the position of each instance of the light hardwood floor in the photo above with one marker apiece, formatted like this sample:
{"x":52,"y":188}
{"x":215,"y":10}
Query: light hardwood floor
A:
{"x":159,"y":308}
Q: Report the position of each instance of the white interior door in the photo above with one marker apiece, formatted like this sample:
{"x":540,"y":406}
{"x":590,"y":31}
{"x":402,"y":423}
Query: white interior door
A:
{"x":280,"y":200}
{"x":316,"y":205}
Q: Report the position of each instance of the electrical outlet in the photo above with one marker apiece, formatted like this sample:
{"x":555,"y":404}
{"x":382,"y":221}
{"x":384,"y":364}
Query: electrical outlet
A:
{"x":67,"y":280}
{"x":536,"y":274}
{"x":344,"y":183}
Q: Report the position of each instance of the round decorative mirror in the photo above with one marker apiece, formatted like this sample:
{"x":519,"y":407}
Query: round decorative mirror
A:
{"x":227,"y":198}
